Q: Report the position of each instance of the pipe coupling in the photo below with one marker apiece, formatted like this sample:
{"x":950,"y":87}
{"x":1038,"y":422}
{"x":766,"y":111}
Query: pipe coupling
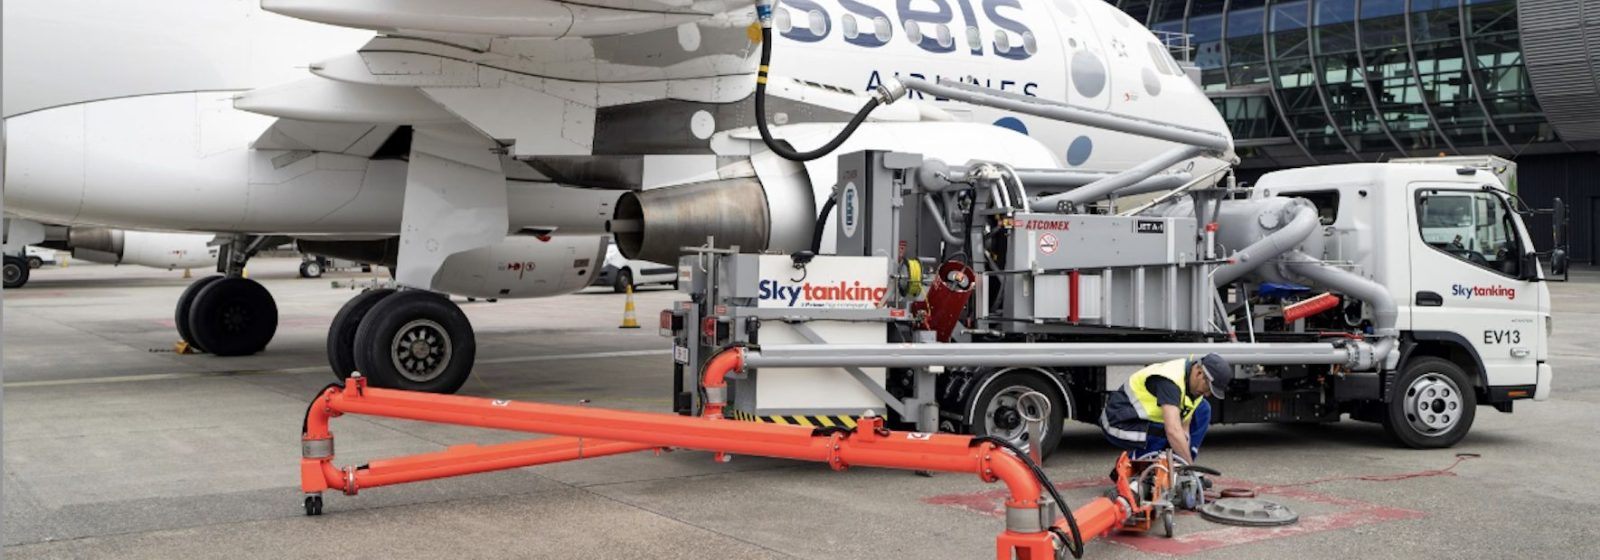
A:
{"x":316,"y":448}
{"x":890,"y":91}
{"x":1025,"y":520}
{"x":717,"y":395}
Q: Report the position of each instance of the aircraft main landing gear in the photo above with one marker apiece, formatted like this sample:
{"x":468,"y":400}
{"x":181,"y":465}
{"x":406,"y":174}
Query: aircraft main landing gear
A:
{"x":411,"y":339}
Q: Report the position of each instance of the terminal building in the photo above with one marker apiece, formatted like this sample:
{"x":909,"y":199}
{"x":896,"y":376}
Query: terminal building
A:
{"x":1307,"y":82}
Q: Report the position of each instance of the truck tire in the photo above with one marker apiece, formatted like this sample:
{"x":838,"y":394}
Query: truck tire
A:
{"x":623,"y":281}
{"x":1433,"y":405}
{"x":992,"y":410}
{"x":311,"y":269}
{"x":35,"y":262}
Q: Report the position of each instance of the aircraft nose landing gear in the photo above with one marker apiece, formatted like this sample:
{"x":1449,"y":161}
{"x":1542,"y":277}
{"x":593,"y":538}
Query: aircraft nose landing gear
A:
{"x":229,"y":315}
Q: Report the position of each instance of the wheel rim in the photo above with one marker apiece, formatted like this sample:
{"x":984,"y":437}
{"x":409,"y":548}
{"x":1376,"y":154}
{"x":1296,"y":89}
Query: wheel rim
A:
{"x":234,"y":318}
{"x":1433,"y":404}
{"x":1003,"y":419}
{"x":421,"y":350}
{"x":13,"y":273}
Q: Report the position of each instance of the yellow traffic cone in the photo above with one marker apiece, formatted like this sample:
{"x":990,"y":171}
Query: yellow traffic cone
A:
{"x":630,"y":319}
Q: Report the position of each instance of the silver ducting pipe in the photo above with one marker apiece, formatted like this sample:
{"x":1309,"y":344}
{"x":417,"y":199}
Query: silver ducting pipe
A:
{"x":1301,"y":223}
{"x":1385,"y":312}
{"x":1044,"y":179}
{"x":1107,"y":187}
{"x":1045,"y":108}
{"x":654,"y":225}
{"x":1024,"y":354}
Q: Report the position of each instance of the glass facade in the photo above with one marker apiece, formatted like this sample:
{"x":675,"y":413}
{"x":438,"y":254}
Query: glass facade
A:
{"x":1327,"y":81}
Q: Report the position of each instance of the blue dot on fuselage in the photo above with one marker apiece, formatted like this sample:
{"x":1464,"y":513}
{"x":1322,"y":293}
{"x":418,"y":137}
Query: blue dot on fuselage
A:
{"x":1012,"y":123}
{"x":1079,"y":151}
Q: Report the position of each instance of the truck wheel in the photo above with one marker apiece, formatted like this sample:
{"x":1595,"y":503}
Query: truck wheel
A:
{"x":311,"y":269}
{"x":993,"y":410}
{"x":16,"y":272}
{"x":35,"y":262}
{"x":1434,"y":406}
{"x":624,"y":280}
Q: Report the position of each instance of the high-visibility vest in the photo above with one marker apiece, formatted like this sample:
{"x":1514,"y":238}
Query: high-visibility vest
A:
{"x":1175,"y":370}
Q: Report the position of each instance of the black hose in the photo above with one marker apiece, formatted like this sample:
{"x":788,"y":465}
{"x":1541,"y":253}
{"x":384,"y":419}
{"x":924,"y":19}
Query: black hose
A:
{"x":783,"y":149}
{"x":1073,"y":544}
{"x":822,"y":220}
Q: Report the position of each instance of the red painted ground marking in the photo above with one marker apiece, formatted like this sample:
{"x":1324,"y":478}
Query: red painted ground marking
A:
{"x":1359,"y":513}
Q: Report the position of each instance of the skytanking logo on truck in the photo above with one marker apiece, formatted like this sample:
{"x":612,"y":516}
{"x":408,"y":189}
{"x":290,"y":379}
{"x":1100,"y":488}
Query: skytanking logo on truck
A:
{"x":825,"y":282}
{"x":1469,"y":292}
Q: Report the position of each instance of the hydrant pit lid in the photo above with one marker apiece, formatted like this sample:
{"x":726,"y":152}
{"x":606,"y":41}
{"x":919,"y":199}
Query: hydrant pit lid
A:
{"x":1249,"y":512}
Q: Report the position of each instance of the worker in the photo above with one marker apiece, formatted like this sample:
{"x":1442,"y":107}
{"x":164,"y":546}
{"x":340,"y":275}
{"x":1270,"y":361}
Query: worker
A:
{"x":1164,"y":406}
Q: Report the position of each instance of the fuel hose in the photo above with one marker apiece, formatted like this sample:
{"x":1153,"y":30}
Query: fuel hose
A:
{"x":783,"y":149}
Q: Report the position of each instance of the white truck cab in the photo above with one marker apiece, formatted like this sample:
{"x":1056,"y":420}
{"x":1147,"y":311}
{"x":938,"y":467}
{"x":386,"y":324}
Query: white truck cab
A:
{"x":1448,"y":241}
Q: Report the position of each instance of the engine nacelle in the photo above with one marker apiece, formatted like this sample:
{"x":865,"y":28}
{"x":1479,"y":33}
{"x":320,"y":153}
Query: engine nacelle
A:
{"x":518,"y":267}
{"x":143,"y":248}
{"x":776,"y":210}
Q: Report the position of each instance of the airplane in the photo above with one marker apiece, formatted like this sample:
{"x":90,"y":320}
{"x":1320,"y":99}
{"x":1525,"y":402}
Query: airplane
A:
{"x":154,"y":249}
{"x":481,"y":148}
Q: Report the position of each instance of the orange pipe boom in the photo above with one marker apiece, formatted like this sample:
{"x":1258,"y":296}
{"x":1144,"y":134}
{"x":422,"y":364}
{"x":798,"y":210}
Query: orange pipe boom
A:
{"x":586,"y":432}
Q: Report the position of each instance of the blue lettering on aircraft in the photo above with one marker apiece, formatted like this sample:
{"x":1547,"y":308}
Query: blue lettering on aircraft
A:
{"x":928,"y":14}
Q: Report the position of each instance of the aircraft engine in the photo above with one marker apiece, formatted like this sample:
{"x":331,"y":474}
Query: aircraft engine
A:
{"x":518,"y":267}
{"x":143,"y":248}
{"x":776,"y":209}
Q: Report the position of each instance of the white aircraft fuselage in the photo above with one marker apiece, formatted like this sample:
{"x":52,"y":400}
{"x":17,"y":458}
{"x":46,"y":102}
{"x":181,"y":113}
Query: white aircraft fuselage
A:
{"x":123,"y":114}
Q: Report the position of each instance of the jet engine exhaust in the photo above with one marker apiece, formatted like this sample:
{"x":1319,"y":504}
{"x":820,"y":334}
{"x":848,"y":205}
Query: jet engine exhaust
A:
{"x":654,"y":225}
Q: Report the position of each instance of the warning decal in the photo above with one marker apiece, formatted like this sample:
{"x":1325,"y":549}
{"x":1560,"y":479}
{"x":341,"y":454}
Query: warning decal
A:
{"x":1048,"y":243}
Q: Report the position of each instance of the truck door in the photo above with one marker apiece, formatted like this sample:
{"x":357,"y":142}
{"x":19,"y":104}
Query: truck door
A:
{"x":1466,"y":256}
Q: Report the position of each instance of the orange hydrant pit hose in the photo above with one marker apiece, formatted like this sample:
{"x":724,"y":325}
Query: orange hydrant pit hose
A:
{"x":609,"y":432}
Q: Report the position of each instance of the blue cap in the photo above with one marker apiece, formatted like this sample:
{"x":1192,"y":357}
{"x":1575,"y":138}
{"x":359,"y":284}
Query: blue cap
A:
{"x":1219,"y":371}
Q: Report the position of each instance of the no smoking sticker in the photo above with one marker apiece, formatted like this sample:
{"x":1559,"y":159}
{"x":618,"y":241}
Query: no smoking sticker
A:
{"x":1048,"y":244}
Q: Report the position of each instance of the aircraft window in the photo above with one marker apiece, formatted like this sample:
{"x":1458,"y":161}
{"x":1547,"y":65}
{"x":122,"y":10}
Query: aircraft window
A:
{"x":782,"y":20}
{"x":847,"y":25}
{"x":1002,"y":41}
{"x":945,"y":38}
{"x":974,"y":39}
{"x":913,"y":32}
{"x":819,"y":22}
{"x":884,"y":31}
{"x":1029,"y":43}
{"x":1472,"y":226}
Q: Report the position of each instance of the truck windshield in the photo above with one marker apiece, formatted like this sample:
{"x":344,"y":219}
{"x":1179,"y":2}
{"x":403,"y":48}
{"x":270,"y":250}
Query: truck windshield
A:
{"x":1472,"y":226}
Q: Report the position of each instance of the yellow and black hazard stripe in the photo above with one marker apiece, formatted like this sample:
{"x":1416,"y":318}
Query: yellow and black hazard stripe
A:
{"x":824,"y":421}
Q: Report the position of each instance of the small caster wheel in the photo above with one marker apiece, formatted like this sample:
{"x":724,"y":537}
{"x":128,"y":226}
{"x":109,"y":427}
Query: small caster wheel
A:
{"x":313,"y":505}
{"x":1166,"y":524}
{"x":472,"y":299}
{"x":494,"y":300}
